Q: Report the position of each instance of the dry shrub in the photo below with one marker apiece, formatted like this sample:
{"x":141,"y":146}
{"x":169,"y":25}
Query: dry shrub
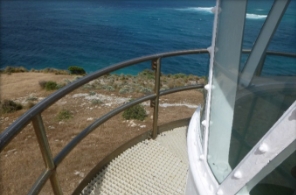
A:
{"x":42,"y":84}
{"x":9,"y":106}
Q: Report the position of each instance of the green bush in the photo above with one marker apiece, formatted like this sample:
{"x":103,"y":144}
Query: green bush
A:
{"x":135,"y":112}
{"x":76,"y":70}
{"x":8,"y":106}
{"x":64,"y":115}
{"x":51,"y":85}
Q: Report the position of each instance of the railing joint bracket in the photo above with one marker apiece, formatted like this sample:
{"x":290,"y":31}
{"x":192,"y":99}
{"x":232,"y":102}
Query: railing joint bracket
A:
{"x":154,"y":64}
{"x":152,"y":103}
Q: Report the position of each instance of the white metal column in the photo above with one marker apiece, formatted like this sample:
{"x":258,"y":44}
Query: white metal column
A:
{"x":227,"y":57}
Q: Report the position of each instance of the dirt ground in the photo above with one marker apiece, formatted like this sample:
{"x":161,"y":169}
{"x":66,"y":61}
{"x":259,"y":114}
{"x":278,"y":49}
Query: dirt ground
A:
{"x":21,"y":161}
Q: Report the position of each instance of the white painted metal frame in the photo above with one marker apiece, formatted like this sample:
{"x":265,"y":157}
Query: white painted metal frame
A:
{"x":272,"y":149}
{"x":272,"y":21}
{"x":200,"y":177}
{"x":216,"y":10}
{"x":225,"y":77}
{"x":262,"y":159}
{"x":271,"y":165}
{"x":268,"y":153}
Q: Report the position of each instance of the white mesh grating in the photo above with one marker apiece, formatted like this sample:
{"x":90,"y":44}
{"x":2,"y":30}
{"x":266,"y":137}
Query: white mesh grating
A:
{"x":150,"y":167}
{"x":175,"y":141}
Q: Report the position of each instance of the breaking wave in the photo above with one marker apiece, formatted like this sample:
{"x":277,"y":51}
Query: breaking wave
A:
{"x":255,"y":16}
{"x":208,"y":10}
{"x":198,"y":9}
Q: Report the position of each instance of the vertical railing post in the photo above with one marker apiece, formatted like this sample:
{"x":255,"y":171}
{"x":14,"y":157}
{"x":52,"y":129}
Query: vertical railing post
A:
{"x":46,"y":152}
{"x":155,"y":103}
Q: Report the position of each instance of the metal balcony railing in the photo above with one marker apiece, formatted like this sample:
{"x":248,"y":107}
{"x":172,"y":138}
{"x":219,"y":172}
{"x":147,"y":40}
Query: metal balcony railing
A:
{"x":34,"y":114}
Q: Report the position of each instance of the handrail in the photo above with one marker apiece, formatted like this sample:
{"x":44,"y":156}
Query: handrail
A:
{"x":275,"y":53}
{"x":41,"y":181}
{"x":68,"y":148}
{"x":16,"y":127}
{"x":7,"y":135}
{"x":58,"y":159}
{"x":34,"y":114}
{"x":261,"y":63}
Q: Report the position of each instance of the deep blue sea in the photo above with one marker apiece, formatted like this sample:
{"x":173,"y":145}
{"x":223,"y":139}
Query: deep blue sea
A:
{"x":96,"y":34}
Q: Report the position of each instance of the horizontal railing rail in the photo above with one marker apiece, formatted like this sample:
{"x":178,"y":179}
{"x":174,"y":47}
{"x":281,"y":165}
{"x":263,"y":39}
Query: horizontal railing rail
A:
{"x":67,"y":149}
{"x":17,"y":126}
{"x":34,"y":114}
{"x":274,"y":53}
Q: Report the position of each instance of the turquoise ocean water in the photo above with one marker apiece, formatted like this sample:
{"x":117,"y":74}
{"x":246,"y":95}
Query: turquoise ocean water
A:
{"x":96,"y":34}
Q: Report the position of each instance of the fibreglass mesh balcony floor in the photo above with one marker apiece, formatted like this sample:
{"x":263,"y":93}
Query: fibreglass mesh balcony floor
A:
{"x":151,"y":167}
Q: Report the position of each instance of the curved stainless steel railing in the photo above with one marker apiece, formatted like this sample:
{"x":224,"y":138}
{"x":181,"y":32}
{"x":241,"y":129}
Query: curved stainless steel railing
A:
{"x":34,"y":114}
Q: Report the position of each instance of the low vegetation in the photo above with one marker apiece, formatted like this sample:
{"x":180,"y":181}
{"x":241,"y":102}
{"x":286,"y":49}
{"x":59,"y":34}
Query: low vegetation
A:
{"x":137,"y":112}
{"x":10,"y":69}
{"x":64,"y":115}
{"x":148,"y":74}
{"x":123,"y":84}
{"x":51,"y":70}
{"x":96,"y":102}
{"x":142,"y":83}
{"x":50,"y":85}
{"x":20,"y":69}
{"x":76,"y":70}
{"x":9,"y":106}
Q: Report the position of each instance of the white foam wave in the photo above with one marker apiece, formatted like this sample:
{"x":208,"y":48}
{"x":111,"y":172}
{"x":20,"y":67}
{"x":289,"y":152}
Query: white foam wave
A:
{"x":198,"y":9}
{"x":209,"y":10}
{"x":255,"y":16}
